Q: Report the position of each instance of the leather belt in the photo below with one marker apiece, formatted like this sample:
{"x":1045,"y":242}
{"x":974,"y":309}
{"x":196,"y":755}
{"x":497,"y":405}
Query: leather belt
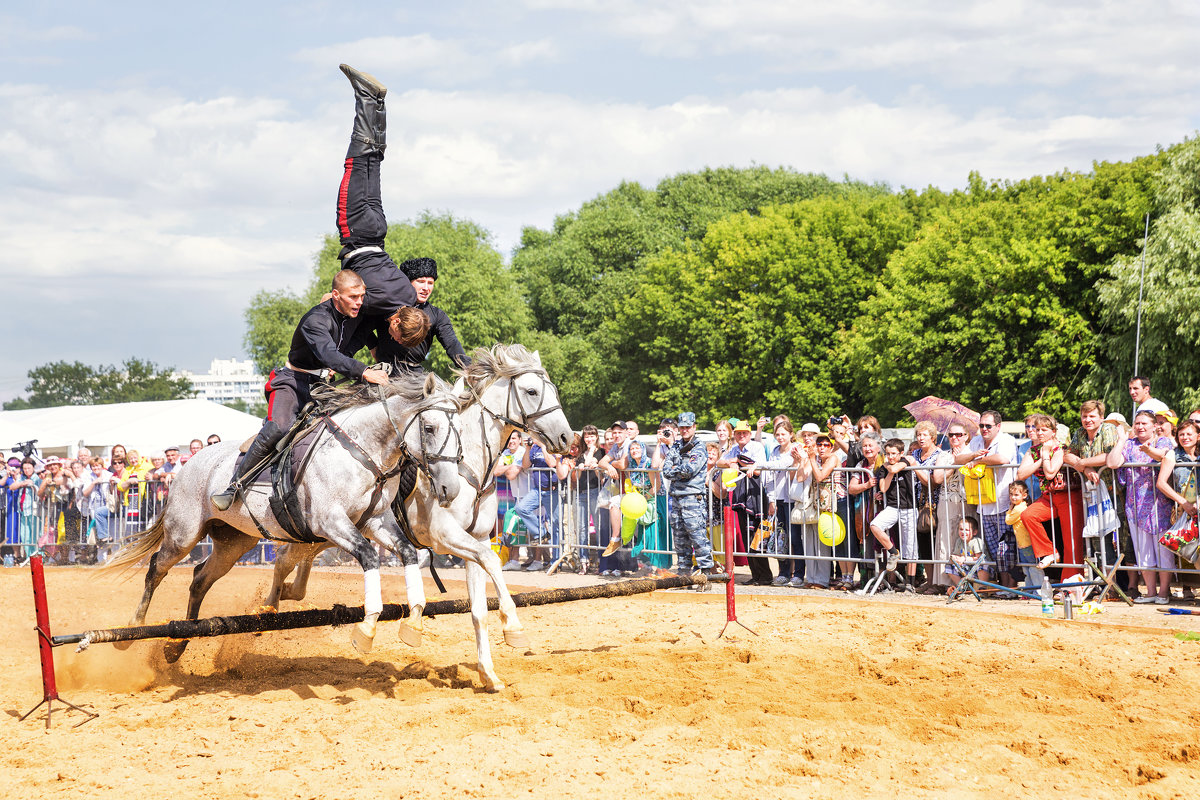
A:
{"x":323,"y":374}
{"x":368,"y":249}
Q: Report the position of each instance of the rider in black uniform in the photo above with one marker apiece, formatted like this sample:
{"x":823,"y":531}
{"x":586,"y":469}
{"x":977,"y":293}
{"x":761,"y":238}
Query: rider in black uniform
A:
{"x":422,"y":273}
{"x":361,"y":223}
{"x":325,"y":341}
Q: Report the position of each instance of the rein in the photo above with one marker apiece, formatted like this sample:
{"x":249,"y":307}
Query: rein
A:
{"x":486,"y":485}
{"x":425,"y":460}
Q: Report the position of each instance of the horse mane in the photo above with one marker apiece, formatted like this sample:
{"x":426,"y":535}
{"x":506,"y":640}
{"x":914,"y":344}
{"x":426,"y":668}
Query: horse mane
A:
{"x":417,"y":390}
{"x":493,"y":363}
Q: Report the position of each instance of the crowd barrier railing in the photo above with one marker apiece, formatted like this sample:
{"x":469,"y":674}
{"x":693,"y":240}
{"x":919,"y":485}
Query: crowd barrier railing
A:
{"x":585,"y":517}
{"x":576,"y":518}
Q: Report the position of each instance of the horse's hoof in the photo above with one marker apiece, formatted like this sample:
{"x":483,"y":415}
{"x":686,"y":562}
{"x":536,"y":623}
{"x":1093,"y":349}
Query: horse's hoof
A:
{"x":410,"y":635}
{"x":172,"y":650}
{"x":516,"y":638}
{"x":491,"y":686}
{"x":362,"y":638}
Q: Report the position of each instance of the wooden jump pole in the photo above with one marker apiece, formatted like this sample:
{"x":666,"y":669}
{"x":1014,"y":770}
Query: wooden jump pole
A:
{"x":343,"y":615}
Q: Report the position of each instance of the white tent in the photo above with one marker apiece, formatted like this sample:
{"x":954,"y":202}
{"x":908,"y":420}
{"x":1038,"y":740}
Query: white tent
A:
{"x":145,"y":427}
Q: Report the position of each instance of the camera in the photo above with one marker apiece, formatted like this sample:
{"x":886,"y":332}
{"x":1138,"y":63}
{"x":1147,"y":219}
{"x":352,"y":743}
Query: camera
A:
{"x":26,"y":448}
{"x":835,"y":420}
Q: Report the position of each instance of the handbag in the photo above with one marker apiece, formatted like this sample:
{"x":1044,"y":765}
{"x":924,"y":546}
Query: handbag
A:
{"x":1181,"y":533}
{"x":927,"y":518}
{"x":1100,"y":517}
{"x":979,"y":483}
{"x":112,"y":501}
{"x":804,"y":514}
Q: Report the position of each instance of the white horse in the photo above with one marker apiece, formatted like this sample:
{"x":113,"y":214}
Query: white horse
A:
{"x":345,"y":494}
{"x":505,"y":388}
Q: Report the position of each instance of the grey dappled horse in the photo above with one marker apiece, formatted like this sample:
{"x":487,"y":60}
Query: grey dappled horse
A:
{"x":505,"y":388}
{"x":418,"y":420}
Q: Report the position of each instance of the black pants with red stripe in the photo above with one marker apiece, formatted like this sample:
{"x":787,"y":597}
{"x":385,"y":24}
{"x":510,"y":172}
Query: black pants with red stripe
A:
{"x":287,"y":392}
{"x":362,"y":223}
{"x":360,"y":218}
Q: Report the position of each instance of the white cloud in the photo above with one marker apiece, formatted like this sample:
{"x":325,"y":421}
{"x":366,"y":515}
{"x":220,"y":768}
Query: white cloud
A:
{"x":1117,"y":47}
{"x":439,"y":61}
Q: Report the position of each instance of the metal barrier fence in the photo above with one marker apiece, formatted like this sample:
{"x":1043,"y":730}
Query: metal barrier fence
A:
{"x":581,"y":522}
{"x":811,"y":530}
{"x":67,"y":527}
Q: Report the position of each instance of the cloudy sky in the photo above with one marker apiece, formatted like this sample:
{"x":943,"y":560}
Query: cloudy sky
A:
{"x":159,"y":165}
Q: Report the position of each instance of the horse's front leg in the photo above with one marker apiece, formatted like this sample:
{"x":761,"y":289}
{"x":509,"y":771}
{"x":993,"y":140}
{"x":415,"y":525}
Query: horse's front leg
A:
{"x":514,"y":632}
{"x":341,"y":531}
{"x":477,"y":591}
{"x":387,"y":532}
{"x":451,"y":538}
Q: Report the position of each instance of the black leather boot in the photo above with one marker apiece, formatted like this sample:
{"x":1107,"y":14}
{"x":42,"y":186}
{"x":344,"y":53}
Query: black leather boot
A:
{"x":370,"y":116}
{"x":260,"y":451}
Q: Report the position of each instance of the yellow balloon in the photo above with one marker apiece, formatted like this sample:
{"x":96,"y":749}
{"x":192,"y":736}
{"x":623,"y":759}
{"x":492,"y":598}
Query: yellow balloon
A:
{"x":633,"y":505}
{"x":729,"y":477}
{"x":831,"y":530}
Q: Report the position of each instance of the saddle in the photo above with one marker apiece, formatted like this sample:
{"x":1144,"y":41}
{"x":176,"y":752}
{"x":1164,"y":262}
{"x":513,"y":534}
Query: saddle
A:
{"x":281,"y":474}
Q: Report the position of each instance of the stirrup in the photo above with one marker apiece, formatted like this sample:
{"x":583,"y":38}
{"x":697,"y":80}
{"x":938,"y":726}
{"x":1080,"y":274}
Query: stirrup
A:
{"x":224,"y":500}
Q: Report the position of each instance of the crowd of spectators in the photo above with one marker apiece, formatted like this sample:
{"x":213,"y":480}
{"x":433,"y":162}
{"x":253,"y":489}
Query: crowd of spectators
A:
{"x":75,"y":510}
{"x":832,"y":506}
{"x":919,"y":512}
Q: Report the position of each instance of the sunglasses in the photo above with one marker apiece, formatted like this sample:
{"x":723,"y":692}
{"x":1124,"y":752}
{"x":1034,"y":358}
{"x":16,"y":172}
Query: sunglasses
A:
{"x":952,"y":433}
{"x":983,"y":426}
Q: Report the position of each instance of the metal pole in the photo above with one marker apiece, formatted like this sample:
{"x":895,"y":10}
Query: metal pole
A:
{"x":1137,"y":345}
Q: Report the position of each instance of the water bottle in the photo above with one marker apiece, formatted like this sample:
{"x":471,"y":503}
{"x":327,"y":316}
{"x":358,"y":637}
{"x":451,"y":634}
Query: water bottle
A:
{"x":8,"y":559}
{"x":1047,"y":595}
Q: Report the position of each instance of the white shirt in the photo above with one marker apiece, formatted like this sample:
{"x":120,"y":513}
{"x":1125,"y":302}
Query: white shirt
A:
{"x":1004,"y":445}
{"x":1153,"y":405}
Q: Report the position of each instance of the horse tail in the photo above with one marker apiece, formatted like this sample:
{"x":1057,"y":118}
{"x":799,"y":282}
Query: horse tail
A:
{"x":139,"y":548}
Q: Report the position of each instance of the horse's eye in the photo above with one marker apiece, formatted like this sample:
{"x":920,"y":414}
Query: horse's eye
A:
{"x":430,"y":429}
{"x":531,"y":392}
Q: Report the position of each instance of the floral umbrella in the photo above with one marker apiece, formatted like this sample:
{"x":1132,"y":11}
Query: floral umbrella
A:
{"x":943,"y":413}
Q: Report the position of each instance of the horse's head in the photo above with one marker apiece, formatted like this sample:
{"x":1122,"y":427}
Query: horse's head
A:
{"x":535,"y":404}
{"x":432,"y":440}
{"x":520,"y":394}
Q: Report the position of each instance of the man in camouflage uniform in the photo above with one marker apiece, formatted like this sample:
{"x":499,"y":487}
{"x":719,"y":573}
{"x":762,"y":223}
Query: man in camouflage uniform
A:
{"x":685,"y":465}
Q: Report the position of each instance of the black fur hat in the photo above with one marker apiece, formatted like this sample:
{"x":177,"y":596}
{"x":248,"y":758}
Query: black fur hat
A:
{"x":419,"y":268}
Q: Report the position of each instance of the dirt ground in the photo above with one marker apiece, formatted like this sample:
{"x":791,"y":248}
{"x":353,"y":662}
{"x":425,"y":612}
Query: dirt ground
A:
{"x":624,"y":698}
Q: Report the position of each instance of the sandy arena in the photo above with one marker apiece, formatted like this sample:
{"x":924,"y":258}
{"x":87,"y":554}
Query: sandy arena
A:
{"x":625,"y":698}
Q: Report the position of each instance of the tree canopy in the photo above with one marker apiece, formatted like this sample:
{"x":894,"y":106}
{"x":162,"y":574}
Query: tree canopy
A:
{"x":77,"y":384}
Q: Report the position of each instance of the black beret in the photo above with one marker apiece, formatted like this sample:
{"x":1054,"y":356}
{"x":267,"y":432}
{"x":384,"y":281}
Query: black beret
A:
{"x":419,"y":268}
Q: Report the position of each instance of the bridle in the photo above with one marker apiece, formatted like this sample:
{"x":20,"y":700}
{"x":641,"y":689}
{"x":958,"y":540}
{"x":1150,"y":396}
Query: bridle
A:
{"x":486,"y":484}
{"x":426,"y":460}
{"x":527,"y":416}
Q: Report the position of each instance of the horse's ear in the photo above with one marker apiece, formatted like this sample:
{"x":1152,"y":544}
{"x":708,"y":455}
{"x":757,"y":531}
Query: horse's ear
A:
{"x":537,"y":356}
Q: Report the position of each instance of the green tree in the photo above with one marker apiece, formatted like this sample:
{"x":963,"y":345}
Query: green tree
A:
{"x":1171,"y":303}
{"x":271,"y":318}
{"x":75,"y":383}
{"x":747,"y":323}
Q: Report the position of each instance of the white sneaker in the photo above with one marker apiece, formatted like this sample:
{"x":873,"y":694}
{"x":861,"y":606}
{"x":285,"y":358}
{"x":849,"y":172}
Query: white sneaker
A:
{"x":1047,"y":560}
{"x":512,"y":565}
{"x":781,"y":580}
{"x":796,"y":582}
{"x":1146,"y":599}
{"x":1162,"y":601}
{"x":535,"y":566}
{"x":893,"y":560}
